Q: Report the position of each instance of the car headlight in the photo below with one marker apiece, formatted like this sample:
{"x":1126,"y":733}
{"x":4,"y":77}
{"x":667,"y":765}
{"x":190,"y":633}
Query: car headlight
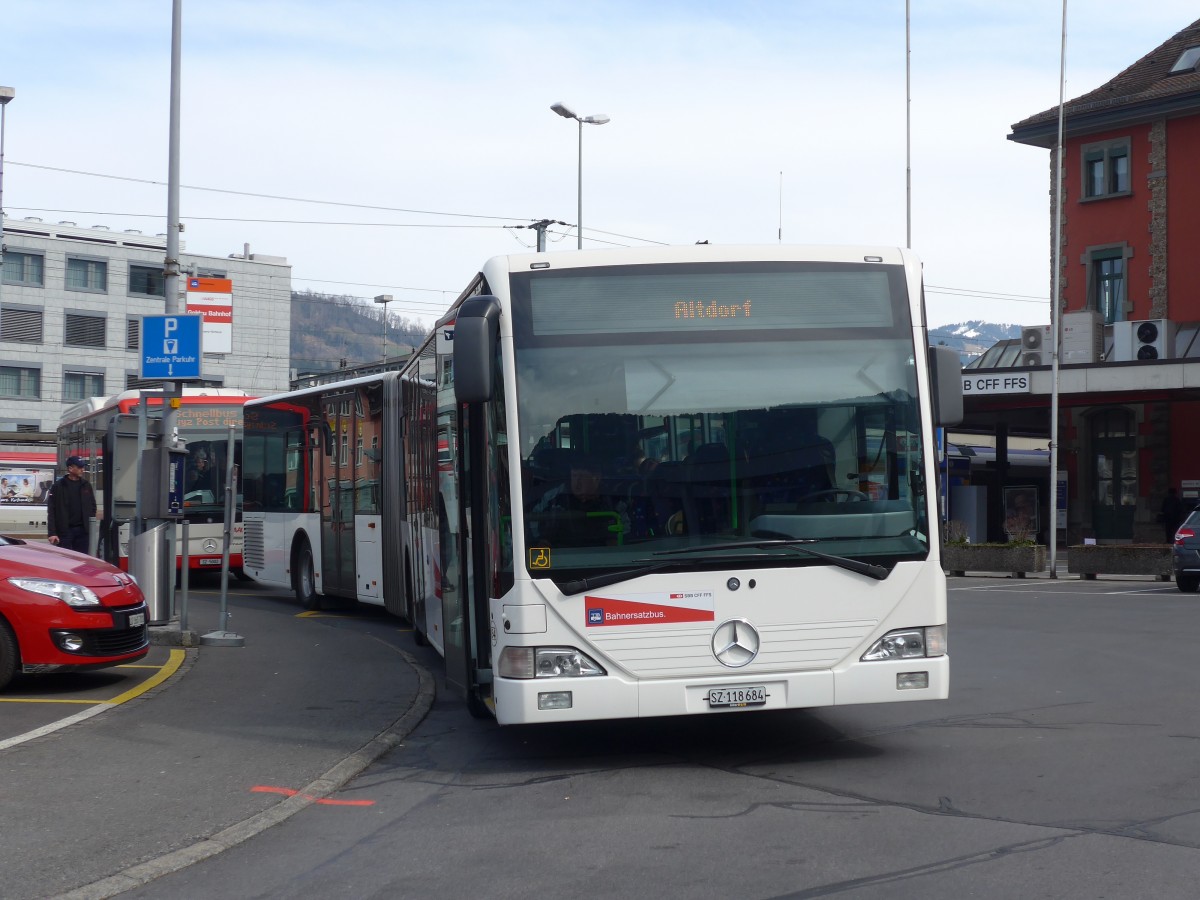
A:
{"x":546,"y":662}
{"x":71,"y":594}
{"x":909,"y":643}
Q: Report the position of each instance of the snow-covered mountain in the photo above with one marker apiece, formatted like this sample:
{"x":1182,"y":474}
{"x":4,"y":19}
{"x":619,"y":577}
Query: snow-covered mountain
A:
{"x":971,"y":338}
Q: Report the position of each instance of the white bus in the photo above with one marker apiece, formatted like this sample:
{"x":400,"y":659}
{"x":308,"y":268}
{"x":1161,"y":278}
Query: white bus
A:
{"x":202,"y":420}
{"x":640,"y":483}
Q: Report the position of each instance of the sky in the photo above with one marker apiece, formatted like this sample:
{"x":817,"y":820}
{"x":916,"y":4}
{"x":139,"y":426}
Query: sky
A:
{"x":392,"y":147}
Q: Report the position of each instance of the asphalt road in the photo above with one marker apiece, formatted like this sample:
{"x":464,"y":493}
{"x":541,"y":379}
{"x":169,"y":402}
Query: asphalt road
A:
{"x":1064,"y":765}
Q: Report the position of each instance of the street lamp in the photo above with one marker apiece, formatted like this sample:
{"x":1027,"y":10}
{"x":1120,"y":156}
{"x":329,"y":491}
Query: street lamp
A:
{"x":598,"y":119}
{"x":6,"y":94}
{"x":385,"y":299}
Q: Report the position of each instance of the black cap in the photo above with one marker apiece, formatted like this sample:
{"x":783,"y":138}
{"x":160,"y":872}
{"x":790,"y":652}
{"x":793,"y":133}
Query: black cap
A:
{"x":76,"y":461}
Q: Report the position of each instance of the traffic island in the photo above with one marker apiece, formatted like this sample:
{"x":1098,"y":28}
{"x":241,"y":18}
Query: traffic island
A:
{"x":1016,"y":559}
{"x":1089,"y":560}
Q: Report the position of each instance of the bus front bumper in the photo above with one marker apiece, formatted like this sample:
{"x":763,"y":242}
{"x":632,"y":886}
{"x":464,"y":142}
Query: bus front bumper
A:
{"x":523,"y":701}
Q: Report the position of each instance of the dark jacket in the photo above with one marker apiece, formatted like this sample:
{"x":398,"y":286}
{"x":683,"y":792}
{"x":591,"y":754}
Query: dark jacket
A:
{"x":58,"y":515}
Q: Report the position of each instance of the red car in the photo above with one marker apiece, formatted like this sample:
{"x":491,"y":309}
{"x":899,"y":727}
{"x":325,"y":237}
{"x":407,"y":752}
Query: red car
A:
{"x":63,"y":610}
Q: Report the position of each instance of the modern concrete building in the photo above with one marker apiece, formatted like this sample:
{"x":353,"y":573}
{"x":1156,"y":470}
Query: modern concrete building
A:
{"x":72,"y":298}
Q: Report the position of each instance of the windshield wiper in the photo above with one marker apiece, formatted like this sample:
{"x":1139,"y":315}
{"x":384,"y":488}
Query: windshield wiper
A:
{"x":879,"y":573}
{"x":599,"y":581}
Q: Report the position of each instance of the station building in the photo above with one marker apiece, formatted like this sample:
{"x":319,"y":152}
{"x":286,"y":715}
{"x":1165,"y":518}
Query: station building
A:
{"x":1129,"y":362}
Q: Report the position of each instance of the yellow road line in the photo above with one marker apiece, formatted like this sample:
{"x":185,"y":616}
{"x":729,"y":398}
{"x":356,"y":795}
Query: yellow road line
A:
{"x":45,"y":700}
{"x":169,"y":668}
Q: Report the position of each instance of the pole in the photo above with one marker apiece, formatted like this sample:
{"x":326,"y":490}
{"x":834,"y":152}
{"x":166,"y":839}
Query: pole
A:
{"x":1055,"y":300}
{"x":185,"y":565}
{"x":6,"y":94}
{"x":223,"y":637}
{"x":171,"y":262}
{"x":907,"y":126}
{"x":579,"y":182}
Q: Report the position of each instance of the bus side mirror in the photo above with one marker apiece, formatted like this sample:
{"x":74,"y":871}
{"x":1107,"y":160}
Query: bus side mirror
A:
{"x":476,"y":330}
{"x":945,"y":378}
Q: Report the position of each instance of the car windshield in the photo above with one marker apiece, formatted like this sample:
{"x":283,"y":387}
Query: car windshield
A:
{"x":669,"y":440}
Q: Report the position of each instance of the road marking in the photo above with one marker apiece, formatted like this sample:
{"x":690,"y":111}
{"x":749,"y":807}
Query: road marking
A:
{"x":169,"y":668}
{"x":325,"y":801}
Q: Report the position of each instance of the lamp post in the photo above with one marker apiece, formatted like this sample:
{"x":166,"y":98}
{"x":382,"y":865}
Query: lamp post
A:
{"x":598,"y":119}
{"x":6,"y":94}
{"x":384,"y":299}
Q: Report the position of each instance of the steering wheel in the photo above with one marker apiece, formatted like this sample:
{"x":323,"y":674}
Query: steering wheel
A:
{"x":852,"y":496}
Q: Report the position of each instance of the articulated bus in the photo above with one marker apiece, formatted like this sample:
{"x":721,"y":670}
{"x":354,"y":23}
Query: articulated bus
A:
{"x":630,"y":483}
{"x":202,"y":421}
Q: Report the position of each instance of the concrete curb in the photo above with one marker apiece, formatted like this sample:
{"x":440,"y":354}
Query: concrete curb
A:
{"x":334,"y":779}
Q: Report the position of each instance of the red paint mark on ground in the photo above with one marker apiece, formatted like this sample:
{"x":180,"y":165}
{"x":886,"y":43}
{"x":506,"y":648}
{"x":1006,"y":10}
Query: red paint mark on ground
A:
{"x":288,"y":792}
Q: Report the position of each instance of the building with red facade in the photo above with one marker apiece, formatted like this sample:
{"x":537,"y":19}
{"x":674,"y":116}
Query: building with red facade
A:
{"x":1129,"y":362}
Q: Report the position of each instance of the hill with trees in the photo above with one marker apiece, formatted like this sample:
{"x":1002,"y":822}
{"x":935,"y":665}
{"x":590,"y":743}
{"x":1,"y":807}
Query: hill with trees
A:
{"x":336,"y":332}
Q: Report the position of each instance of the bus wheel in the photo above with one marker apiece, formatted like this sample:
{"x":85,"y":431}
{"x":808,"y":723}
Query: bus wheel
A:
{"x":305,"y":579}
{"x":9,"y":655}
{"x":476,"y":707}
{"x":240,"y":575}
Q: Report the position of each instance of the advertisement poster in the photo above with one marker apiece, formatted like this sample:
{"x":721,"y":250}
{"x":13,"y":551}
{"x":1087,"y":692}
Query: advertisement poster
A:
{"x":25,"y":486}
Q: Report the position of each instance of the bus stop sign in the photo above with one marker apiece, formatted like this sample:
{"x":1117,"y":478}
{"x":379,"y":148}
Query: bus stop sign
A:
{"x":171,"y":348}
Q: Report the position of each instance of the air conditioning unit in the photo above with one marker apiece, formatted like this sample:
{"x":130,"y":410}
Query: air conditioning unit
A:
{"x":1152,"y":339}
{"x":1083,"y":337}
{"x":1036,"y":344}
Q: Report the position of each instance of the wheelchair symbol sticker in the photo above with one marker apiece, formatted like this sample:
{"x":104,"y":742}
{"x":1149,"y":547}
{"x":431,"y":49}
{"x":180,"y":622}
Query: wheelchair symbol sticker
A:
{"x":539,"y":557}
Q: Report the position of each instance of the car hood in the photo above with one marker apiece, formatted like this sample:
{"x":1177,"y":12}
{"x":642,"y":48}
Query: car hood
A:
{"x":40,"y":560}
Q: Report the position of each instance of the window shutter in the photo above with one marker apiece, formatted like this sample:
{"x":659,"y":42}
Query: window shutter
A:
{"x":24,"y":325}
{"x":84,"y":331}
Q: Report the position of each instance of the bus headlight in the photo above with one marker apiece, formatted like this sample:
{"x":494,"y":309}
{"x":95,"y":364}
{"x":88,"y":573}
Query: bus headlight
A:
{"x":909,"y":643}
{"x":546,"y":662}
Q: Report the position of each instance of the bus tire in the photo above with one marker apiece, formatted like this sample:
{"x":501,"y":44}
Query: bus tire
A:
{"x":476,"y":707}
{"x":10,"y":655}
{"x":304,"y":579}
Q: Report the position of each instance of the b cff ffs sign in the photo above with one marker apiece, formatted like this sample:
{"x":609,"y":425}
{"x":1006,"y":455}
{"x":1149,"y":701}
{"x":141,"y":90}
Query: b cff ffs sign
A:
{"x":1017,"y":383}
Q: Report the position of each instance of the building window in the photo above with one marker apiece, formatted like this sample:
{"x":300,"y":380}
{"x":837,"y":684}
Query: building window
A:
{"x":18,"y":382}
{"x":86,"y":274}
{"x":81,"y":385}
{"x":1188,"y":61}
{"x":24,"y":268}
{"x":147,"y":281}
{"x":1108,"y":284}
{"x":1106,"y":169}
{"x":22,"y":325}
{"x":84,"y":331}
{"x":133,"y":333}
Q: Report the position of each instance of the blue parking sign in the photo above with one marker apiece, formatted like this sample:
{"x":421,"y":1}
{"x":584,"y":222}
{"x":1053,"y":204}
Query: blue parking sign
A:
{"x":171,"y":348}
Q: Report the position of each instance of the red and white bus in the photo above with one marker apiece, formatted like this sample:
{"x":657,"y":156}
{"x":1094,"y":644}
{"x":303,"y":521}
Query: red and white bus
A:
{"x":203,"y":420}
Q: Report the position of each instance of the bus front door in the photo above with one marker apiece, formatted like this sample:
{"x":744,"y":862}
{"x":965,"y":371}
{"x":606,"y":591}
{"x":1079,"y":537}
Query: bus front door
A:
{"x":337,"y":510}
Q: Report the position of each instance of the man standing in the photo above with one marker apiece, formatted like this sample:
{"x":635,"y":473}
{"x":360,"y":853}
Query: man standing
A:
{"x":70,"y":504}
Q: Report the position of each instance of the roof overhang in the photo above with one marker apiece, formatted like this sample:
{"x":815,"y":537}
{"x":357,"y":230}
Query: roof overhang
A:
{"x":1107,"y":384}
{"x":1080,"y":123}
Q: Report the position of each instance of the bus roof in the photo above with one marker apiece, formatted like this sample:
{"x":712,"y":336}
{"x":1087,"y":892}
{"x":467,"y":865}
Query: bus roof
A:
{"x":86,"y":408}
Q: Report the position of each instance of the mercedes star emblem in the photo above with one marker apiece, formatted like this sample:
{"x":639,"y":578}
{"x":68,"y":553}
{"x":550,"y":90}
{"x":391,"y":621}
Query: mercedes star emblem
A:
{"x":735,"y":643}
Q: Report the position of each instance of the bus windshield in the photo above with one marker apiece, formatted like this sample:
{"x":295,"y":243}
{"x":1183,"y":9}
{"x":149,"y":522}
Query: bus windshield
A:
{"x":780,"y":404}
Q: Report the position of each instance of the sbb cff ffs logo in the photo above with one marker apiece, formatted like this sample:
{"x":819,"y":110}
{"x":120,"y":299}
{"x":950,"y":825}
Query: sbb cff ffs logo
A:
{"x":996,"y":384}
